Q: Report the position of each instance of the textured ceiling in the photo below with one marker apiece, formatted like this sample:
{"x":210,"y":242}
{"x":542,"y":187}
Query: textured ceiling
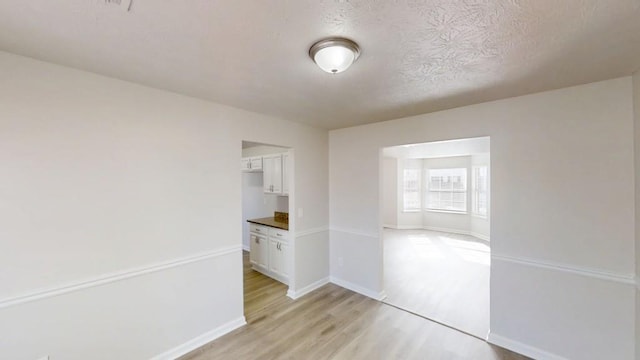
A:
{"x":418,"y":56}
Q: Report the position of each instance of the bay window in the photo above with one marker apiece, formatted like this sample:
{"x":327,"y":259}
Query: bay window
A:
{"x":447,"y":189}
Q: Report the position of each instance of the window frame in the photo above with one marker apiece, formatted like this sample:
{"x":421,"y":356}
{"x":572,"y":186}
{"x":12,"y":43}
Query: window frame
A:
{"x":430,"y":189}
{"x":418,"y":190}
{"x":476,"y":191}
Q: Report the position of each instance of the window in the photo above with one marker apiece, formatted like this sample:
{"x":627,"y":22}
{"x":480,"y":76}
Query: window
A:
{"x":447,"y":189}
{"x":480,"y":186}
{"x":411,"y":189}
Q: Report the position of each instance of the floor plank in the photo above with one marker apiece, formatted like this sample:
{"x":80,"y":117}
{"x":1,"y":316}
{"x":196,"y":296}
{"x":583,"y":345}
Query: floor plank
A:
{"x":335,"y":323}
{"x":441,"y":276}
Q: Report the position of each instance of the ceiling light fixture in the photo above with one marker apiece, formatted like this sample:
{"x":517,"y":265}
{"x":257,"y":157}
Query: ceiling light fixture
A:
{"x":334,"y":55}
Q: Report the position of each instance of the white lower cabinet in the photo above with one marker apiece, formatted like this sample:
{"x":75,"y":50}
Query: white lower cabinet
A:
{"x":259,"y":255}
{"x":278,"y":255}
{"x":270,"y":251}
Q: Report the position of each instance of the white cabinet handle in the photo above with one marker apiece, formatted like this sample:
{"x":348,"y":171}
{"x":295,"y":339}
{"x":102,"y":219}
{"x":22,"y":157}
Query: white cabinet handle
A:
{"x":279,"y":234}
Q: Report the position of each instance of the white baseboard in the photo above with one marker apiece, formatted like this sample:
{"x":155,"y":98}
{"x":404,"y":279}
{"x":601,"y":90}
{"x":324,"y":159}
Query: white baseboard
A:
{"x":407,"y":227}
{"x":357,"y":288}
{"x":201,"y":340}
{"x":521,"y":348}
{"x":307,"y":289}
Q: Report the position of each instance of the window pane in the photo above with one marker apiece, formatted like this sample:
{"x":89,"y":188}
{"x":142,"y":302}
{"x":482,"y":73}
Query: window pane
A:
{"x":480,"y":190}
{"x":411,"y":189}
{"x":434,"y":200}
{"x":447,"y":189}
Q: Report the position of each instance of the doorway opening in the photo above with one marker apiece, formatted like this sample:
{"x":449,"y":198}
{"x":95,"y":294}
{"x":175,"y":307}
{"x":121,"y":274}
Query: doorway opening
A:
{"x":267,"y":196}
{"x":436,"y":231}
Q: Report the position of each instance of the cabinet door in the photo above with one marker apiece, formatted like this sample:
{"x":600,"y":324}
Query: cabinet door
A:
{"x":245,"y":164}
{"x":259,"y":255}
{"x":267,"y":174}
{"x":254,"y":248}
{"x":276,"y":180}
{"x":285,"y":174}
{"x":256,"y":163}
{"x":278,"y":258}
{"x":263,"y":254}
{"x":284,"y":259}
{"x":272,"y":174}
{"x":274,"y":256}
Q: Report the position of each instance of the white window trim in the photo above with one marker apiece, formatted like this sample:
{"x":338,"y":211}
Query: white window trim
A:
{"x":446,"y":211}
{"x":474,"y":190}
{"x":465,"y":191}
{"x":419,"y":190}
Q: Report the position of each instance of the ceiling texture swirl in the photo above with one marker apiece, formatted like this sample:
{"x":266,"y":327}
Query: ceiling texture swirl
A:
{"x":418,"y":56}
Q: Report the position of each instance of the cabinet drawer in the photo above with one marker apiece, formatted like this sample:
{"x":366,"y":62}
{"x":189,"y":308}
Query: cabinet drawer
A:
{"x":278,"y":234}
{"x":259,"y":229}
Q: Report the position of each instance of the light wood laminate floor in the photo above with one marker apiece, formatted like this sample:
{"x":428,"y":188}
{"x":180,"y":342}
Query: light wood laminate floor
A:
{"x":441,"y":276}
{"x":335,"y":323}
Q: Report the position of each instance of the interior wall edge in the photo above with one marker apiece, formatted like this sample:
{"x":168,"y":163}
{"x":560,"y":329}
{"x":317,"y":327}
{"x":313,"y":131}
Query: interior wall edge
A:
{"x":116,"y":276}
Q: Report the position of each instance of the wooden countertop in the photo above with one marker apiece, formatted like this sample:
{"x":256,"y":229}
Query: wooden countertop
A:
{"x":270,"y":221}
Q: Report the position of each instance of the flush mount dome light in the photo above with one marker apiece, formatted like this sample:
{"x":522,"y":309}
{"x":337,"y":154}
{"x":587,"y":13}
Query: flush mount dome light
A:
{"x":334,"y":55}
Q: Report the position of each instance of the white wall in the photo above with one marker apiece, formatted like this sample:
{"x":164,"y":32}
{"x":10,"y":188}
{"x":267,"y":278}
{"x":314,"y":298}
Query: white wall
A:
{"x":263,"y":150}
{"x":437,"y":149}
{"x":390,"y":191}
{"x":138,"y":191}
{"x":480,"y":226}
{"x":562,"y":253}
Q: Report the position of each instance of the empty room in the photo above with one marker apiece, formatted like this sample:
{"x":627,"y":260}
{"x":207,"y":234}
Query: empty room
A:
{"x":436,"y":239}
{"x":210,"y":179}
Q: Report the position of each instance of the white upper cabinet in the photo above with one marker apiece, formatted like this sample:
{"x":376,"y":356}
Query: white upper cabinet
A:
{"x":285,"y":174}
{"x":272,"y":168}
{"x":251,"y":163}
{"x":256,"y":163}
{"x":245,"y":164}
{"x":275,"y":168}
